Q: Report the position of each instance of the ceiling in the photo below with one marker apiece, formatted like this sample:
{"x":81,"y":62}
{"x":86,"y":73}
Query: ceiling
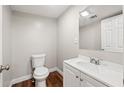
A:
{"x":52,"y":11}
{"x":101,"y":11}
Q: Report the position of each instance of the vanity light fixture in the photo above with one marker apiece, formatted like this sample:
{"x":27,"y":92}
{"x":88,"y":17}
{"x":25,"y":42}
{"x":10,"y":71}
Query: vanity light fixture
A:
{"x":84,"y":13}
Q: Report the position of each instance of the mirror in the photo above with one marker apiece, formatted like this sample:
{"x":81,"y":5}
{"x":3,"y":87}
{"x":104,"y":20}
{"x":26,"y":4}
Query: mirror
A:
{"x":101,"y":28}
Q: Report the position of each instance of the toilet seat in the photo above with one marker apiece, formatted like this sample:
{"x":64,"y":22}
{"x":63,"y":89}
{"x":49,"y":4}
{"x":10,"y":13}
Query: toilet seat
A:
{"x":41,"y":71}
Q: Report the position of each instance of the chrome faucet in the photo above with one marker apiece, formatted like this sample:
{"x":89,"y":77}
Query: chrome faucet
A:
{"x":95,"y":60}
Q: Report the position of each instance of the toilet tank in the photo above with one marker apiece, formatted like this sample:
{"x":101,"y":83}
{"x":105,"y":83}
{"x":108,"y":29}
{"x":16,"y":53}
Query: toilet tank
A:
{"x":38,"y":60}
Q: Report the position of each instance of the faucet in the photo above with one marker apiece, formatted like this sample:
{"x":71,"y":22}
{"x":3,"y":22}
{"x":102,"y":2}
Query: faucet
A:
{"x":95,"y":60}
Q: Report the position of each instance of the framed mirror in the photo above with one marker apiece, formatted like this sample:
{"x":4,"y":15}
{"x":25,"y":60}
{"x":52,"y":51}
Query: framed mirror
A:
{"x":101,"y":28}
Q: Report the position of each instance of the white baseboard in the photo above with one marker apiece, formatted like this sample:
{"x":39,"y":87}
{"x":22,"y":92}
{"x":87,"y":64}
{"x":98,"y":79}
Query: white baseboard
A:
{"x":60,"y":71}
{"x":53,"y":69}
{"x":56,"y":69}
{"x":10,"y":85}
{"x":20,"y":79}
{"x":23,"y":78}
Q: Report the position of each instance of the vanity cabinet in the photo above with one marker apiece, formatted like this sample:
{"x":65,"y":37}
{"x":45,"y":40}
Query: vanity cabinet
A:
{"x":71,"y":77}
{"x":87,"y":81}
{"x":75,"y":78}
{"x":112,"y":34}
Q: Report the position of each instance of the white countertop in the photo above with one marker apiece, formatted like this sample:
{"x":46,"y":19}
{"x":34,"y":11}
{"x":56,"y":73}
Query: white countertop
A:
{"x":109,"y":73}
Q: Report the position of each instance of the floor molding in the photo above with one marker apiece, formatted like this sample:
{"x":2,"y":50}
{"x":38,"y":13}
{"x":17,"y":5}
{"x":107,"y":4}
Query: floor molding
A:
{"x":60,"y":71}
{"x":10,"y":85}
{"x":53,"y":69}
{"x":23,"y":78}
{"x":20,"y":79}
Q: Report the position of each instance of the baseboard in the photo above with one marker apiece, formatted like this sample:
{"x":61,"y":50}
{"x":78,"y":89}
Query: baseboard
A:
{"x":23,"y":78}
{"x":10,"y":85}
{"x":20,"y":79}
{"x":60,"y":71}
{"x":53,"y":69}
{"x":56,"y":69}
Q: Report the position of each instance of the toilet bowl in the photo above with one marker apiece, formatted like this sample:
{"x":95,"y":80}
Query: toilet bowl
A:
{"x":40,"y":72}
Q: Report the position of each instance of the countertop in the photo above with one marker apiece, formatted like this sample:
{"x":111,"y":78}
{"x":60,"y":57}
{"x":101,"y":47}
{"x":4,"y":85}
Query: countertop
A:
{"x":109,"y":73}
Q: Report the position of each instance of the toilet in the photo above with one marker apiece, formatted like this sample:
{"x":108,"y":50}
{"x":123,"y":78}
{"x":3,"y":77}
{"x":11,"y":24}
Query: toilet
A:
{"x":40,"y":72}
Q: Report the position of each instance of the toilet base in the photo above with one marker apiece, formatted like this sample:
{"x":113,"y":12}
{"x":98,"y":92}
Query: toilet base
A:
{"x":40,"y":83}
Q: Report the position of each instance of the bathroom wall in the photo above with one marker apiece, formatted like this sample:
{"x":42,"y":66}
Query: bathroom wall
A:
{"x":6,"y":44}
{"x":68,"y":31}
{"x":90,"y":36}
{"x":32,"y":34}
{"x":0,"y":42}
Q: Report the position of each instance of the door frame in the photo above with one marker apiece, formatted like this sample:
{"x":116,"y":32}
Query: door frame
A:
{"x":1,"y":59}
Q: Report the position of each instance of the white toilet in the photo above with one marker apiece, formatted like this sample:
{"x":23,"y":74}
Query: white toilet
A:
{"x":40,"y":72}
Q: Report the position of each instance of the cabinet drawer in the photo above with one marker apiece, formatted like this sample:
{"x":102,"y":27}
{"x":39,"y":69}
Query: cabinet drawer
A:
{"x":94,"y":82}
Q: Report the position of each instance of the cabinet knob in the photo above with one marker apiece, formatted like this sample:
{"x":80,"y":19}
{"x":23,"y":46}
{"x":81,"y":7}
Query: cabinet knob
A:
{"x":81,"y":79}
{"x":76,"y":76}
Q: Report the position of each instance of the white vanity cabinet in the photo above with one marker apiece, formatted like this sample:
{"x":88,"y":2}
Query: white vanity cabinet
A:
{"x":87,"y":81}
{"x":75,"y":78}
{"x":71,"y":77}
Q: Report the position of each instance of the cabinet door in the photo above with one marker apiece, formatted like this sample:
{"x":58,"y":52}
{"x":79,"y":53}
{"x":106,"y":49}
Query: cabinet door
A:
{"x":87,"y":81}
{"x":71,"y":78}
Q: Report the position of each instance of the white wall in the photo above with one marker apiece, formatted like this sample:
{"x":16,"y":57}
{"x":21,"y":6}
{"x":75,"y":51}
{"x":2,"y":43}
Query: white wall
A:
{"x":68,"y":27}
{"x":68,"y":30}
{"x":0,"y":34}
{"x":32,"y":35}
{"x":0,"y":42}
{"x":90,"y":36}
{"x":6,"y":37}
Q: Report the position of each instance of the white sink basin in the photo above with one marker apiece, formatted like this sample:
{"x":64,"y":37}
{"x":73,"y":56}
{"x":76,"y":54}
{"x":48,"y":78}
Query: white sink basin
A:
{"x":88,"y":66}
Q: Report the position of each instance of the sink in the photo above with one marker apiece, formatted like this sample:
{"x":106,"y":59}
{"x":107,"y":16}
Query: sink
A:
{"x":102,"y":68}
{"x":88,"y":66}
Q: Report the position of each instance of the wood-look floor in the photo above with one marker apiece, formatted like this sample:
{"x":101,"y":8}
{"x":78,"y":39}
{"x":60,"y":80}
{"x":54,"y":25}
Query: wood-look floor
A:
{"x":53,"y":80}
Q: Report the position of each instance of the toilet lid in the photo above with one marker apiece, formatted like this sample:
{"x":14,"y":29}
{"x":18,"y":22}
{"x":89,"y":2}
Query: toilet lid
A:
{"x":40,"y":71}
